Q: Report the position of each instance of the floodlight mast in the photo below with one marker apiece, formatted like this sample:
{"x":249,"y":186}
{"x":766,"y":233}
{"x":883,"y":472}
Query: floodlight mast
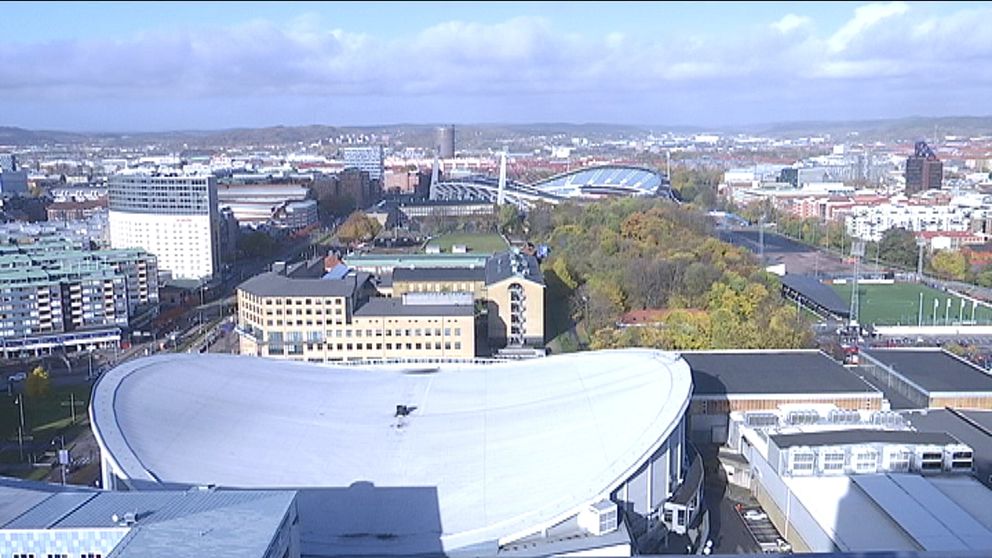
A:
{"x":857,"y":252}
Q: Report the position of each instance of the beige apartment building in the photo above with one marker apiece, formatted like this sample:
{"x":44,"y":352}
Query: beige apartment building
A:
{"x":296,"y":314}
{"x":510,"y":284}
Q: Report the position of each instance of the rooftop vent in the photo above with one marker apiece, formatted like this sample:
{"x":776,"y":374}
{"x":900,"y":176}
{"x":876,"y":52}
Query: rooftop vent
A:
{"x":404,"y":410}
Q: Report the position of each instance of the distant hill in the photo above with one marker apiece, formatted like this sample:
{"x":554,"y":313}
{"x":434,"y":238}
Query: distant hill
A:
{"x":487,"y":134}
{"x":19,"y":136}
{"x":909,"y":128}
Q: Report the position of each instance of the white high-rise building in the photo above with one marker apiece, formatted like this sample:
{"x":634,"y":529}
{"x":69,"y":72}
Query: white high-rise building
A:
{"x":173,"y":217}
{"x":368,"y":158}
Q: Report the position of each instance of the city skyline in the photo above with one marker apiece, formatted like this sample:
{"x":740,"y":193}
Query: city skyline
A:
{"x":139,"y":67}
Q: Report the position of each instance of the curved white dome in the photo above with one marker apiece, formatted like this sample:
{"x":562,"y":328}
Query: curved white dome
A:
{"x":507,"y":446}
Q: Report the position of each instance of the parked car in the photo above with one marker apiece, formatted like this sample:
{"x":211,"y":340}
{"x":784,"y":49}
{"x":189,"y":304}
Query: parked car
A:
{"x":19,"y":377}
{"x":755,"y":515}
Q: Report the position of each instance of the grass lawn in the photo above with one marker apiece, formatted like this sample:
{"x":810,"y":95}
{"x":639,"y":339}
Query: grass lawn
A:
{"x":899,"y":304}
{"x":481,"y":243}
{"x":43,"y":416}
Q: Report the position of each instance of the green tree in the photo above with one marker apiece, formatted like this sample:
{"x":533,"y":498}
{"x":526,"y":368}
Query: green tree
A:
{"x":898,"y":246}
{"x":256,"y":244}
{"x":509,"y":219}
{"x":38,"y":383}
{"x":984,"y":278}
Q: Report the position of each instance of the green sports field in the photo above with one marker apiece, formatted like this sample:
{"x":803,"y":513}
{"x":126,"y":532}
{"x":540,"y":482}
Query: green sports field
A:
{"x":899,"y":304}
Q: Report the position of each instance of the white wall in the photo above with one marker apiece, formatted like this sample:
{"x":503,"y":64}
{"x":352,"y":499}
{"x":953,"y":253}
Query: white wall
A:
{"x":183,"y":244}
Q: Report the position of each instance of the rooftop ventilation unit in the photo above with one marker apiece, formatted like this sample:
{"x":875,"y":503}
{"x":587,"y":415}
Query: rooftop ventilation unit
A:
{"x":600,"y":518}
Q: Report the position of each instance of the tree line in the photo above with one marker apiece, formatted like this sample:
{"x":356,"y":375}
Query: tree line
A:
{"x":614,"y":256}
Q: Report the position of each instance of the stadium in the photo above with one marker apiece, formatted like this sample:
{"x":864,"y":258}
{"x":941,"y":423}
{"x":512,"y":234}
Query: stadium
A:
{"x":564,"y":454}
{"x":588,"y":183}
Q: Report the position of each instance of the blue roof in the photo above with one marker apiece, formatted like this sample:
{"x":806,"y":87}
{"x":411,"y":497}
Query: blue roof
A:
{"x":337,"y":272}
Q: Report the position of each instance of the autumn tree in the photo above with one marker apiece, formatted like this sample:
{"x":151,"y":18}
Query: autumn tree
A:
{"x":38,"y":383}
{"x":358,"y":227}
{"x":950,"y":264}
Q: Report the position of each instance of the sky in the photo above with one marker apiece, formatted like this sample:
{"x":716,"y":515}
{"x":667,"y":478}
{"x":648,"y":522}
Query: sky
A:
{"x":124,"y":67}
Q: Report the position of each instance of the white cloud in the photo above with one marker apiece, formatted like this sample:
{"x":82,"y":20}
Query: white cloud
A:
{"x":516,"y":58}
{"x":865,"y":18}
{"x":791,"y":22}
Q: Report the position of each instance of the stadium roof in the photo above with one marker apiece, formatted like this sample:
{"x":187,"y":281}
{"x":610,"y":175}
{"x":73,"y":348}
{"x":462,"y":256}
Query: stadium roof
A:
{"x":772,"y":373}
{"x":490,"y":450}
{"x":590,"y":183}
{"x":603,"y":179}
{"x":934,"y":370}
{"x":816,"y":292}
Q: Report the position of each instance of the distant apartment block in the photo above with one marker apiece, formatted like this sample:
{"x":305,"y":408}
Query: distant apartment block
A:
{"x":54,"y":293}
{"x":924,"y":171}
{"x":72,"y":210}
{"x":173,"y":217}
{"x":298,"y":313}
{"x":296,"y":215}
{"x":368,"y":158}
{"x":13,"y":180}
{"x":869,"y":222}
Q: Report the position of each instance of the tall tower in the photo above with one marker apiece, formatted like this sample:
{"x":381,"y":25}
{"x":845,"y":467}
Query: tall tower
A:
{"x":174,"y":217}
{"x":501,"y":195}
{"x":435,"y":171}
{"x":444,"y":142}
{"x":924,"y":171}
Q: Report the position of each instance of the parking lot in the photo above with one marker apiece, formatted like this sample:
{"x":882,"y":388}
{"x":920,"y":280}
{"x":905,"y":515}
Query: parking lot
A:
{"x":761,"y":528}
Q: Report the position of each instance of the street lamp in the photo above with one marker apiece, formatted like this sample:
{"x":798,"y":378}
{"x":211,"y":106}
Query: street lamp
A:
{"x":20,"y":428}
{"x":63,"y":457}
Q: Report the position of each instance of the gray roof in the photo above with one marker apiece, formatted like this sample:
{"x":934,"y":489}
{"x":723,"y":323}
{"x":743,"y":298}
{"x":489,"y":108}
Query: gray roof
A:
{"x":862,"y":436}
{"x":181,"y":523}
{"x":380,"y":306}
{"x":571,"y":428}
{"x":406,"y":274}
{"x":934,"y":370}
{"x":971,"y":427}
{"x":771,"y":372}
{"x":507,"y":264}
{"x":817,"y":293}
{"x":271,"y":283}
{"x":18,"y":496}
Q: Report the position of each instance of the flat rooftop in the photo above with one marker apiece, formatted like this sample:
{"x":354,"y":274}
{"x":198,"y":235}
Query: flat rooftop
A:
{"x":380,"y":306}
{"x":797,"y":372}
{"x":899,"y":512}
{"x":934,"y":370}
{"x":181,"y":523}
{"x":862,"y":436}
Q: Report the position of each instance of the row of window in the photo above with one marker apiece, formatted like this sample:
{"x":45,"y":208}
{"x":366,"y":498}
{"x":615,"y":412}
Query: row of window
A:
{"x":57,"y":555}
{"x":297,"y":348}
{"x":316,"y":336}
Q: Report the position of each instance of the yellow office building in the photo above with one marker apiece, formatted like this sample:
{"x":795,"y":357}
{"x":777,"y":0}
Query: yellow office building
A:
{"x":297,"y":314}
